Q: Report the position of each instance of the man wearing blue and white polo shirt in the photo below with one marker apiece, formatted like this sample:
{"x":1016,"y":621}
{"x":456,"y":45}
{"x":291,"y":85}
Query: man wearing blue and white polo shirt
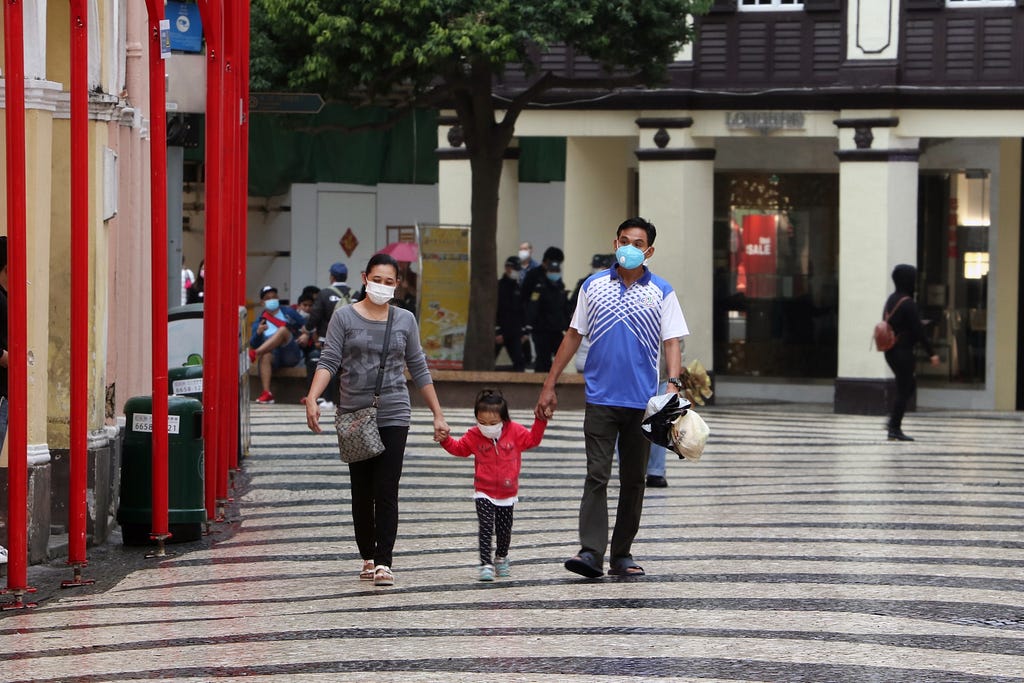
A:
{"x":628,"y":314}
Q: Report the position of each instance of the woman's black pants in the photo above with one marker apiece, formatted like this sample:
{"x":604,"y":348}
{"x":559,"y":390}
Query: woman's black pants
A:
{"x":902,"y":363}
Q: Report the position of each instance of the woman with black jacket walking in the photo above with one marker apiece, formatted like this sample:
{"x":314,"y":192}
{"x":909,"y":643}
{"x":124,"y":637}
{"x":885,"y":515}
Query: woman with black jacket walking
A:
{"x":905,"y":319}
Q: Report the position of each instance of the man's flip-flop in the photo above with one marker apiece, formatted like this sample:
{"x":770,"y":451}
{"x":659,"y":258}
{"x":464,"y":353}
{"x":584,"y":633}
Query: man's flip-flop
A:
{"x":584,"y":564}
{"x":625,"y":567}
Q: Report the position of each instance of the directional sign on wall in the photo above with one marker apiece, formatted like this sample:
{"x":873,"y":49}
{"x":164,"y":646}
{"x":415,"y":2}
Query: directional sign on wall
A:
{"x":286,"y":102}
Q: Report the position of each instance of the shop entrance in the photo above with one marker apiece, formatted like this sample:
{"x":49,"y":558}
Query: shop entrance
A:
{"x":776,"y":276}
{"x":953,"y":267}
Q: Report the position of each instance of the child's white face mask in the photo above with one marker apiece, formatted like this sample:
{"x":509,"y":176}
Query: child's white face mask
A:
{"x":490,"y":431}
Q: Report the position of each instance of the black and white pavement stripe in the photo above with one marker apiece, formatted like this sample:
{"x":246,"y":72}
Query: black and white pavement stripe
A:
{"x":802,"y":547}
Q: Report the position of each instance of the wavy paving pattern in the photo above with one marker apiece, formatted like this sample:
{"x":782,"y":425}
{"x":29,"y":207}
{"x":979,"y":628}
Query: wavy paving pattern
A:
{"x":803,"y":547}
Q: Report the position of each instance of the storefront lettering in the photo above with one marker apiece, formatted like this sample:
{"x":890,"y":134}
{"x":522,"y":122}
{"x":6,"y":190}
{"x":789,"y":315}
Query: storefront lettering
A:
{"x":762,"y":248}
{"x":764,"y":121}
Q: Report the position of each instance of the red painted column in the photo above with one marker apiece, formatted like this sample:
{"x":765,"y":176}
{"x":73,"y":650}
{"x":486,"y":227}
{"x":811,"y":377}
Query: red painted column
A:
{"x":217,"y":267}
{"x":229,"y":218}
{"x":17,"y":307}
{"x":242,"y":174}
{"x":158,"y":227}
{"x":79,"y":425}
{"x":243,"y":147}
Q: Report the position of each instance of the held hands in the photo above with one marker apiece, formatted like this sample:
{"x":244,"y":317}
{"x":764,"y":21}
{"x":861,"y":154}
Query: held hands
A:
{"x":546,"y":404}
{"x":313,"y":415}
{"x":441,"y":429}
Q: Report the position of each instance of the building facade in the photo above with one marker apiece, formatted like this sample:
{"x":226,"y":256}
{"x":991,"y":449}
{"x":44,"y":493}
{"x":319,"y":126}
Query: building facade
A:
{"x":118,"y":298}
{"x":798,"y":153}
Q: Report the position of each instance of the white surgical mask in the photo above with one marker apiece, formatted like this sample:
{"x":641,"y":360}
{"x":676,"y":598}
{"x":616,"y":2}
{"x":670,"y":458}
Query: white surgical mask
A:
{"x":490,"y":431}
{"x":524,"y":254}
{"x":378,"y":293}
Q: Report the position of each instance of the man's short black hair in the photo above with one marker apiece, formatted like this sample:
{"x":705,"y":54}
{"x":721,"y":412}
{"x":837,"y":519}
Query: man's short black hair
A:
{"x":3,"y":251}
{"x":637,"y":222}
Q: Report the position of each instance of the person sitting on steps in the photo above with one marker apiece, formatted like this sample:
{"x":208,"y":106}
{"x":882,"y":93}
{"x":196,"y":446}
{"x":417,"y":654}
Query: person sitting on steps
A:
{"x":277,"y":339}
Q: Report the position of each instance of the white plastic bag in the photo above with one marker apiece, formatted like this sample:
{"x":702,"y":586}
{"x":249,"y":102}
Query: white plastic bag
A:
{"x":690,"y":434}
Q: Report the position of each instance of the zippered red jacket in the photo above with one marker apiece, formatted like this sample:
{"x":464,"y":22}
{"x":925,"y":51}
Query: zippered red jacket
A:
{"x":497,"y":462}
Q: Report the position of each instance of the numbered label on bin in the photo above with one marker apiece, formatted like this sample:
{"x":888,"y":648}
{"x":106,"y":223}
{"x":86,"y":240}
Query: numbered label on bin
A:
{"x":143,"y":422}
{"x":183,"y":387}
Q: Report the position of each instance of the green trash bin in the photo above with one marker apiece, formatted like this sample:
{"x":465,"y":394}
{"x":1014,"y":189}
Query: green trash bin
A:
{"x":185,"y":501}
{"x":186,"y":381}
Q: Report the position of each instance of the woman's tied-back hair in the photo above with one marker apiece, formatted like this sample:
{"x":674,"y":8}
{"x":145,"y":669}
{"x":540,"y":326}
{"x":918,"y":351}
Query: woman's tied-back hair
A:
{"x":383,"y":260}
{"x":491,"y":401}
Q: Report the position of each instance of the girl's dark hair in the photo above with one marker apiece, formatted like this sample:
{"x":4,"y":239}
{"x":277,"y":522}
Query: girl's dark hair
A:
{"x":491,"y":401}
{"x":383,"y":260}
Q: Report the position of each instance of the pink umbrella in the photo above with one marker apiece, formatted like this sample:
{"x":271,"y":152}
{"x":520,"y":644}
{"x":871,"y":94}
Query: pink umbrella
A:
{"x":405,"y":252}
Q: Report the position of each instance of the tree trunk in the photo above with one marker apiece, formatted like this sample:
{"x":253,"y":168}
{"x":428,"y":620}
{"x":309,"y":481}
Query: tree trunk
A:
{"x":483,"y":279}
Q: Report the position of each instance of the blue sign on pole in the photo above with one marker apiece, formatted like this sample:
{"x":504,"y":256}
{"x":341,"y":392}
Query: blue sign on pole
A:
{"x":186,"y":26}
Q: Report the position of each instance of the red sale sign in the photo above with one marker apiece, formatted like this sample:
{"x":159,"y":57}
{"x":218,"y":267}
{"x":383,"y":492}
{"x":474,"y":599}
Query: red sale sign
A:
{"x":758,"y":254}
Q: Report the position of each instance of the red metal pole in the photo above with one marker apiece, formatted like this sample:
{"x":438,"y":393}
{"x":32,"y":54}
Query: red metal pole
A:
{"x":243,"y":148}
{"x":79,"y":425}
{"x":242,"y":176}
{"x":217,"y":274}
{"x":158,"y":221}
{"x":229,"y":216}
{"x":17,"y":337}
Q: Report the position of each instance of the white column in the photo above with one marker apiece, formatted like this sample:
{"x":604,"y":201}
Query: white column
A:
{"x":508,"y":238}
{"x":677,"y":195}
{"x":877,"y":230}
{"x":454,"y":176}
{"x":34,"y":19}
{"x":596,"y":199}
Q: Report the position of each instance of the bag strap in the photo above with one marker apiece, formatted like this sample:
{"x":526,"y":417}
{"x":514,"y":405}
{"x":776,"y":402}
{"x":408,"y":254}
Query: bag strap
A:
{"x":889,"y":314}
{"x":383,"y":356}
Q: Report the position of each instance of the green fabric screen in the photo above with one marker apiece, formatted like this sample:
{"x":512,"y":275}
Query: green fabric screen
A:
{"x":541,"y":160}
{"x":317,"y":148}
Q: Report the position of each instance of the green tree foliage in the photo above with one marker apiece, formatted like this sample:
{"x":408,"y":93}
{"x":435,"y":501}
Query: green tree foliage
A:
{"x":453,"y":54}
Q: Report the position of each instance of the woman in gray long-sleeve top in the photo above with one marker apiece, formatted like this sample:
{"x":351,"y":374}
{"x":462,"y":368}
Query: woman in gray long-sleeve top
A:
{"x":352,"y":349}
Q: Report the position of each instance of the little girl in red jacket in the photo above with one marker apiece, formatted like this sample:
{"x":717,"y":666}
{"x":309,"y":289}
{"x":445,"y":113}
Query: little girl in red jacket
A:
{"x":497,"y":443}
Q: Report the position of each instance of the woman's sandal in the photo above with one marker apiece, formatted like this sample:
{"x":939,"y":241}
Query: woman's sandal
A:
{"x":366,"y":573}
{"x":382,"y":576}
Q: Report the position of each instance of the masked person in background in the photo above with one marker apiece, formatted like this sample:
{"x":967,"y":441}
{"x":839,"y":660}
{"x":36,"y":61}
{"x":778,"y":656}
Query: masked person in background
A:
{"x":277,"y":339}
{"x":547,"y":307}
{"x":906,"y":323}
{"x":510,"y":316}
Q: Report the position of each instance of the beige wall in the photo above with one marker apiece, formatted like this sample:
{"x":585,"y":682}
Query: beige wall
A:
{"x":1004,"y":247}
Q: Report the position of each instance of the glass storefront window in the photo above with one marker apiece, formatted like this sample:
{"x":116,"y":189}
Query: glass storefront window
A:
{"x":776,"y":281}
{"x":953,"y":253}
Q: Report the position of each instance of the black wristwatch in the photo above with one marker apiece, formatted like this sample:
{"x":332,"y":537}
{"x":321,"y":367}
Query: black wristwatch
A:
{"x":676,"y":381}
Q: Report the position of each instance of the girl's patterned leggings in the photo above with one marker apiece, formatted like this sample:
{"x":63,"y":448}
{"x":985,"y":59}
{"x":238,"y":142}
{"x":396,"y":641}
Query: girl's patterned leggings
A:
{"x":495,"y":519}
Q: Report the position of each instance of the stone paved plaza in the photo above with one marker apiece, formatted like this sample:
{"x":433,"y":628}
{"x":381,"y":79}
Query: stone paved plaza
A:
{"x":802,"y":547}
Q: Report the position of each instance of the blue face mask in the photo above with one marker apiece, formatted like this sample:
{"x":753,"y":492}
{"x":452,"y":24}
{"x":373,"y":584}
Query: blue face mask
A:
{"x":554,"y":277}
{"x":272,"y":304}
{"x":629,"y":257}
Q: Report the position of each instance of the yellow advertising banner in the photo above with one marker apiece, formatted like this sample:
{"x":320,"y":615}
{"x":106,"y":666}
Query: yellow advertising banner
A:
{"x":444,"y":293}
